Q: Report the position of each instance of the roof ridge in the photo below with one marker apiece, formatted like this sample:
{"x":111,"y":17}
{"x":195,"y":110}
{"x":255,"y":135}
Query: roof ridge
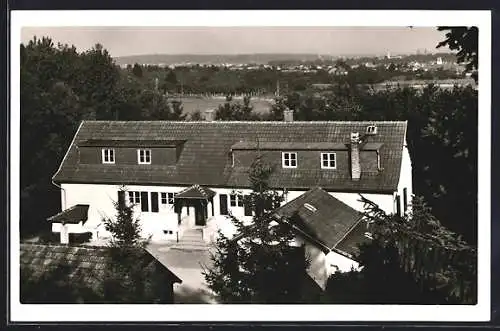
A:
{"x":246,"y":122}
{"x":90,"y":247}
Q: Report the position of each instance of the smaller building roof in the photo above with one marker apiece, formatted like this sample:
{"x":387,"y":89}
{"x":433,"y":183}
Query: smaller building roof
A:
{"x":83,"y":264}
{"x":74,"y":215}
{"x":321,"y":216}
{"x":196,"y":192}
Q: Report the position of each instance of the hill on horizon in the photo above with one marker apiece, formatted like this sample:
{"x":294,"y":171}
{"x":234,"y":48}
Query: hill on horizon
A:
{"x":257,"y":58}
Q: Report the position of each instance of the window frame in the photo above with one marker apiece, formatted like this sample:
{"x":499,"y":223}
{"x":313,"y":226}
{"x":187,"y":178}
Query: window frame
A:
{"x":328,"y":159}
{"x":136,"y":197}
{"x":371,"y":129}
{"x":289,"y":159}
{"x":168,"y":197}
{"x":233,"y":197}
{"x":146,"y":151}
{"x":109,"y":155}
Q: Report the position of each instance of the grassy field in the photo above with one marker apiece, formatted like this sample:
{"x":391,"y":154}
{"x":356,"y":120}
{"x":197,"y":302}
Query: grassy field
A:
{"x":191,"y":104}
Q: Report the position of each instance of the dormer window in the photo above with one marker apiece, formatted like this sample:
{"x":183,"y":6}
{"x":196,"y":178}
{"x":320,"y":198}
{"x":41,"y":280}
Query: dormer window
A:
{"x":371,"y":129}
{"x":144,"y":156}
{"x":328,"y":161}
{"x":108,"y":156}
{"x":289,"y":159}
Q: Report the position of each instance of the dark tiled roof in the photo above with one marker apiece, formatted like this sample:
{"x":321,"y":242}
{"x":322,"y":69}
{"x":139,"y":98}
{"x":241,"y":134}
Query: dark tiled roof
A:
{"x":74,"y":214}
{"x":129,"y":143}
{"x":274,"y":145}
{"x":83,"y":264}
{"x":321,"y":216}
{"x":205,"y":159}
{"x":196,"y":192}
{"x":371,"y":146}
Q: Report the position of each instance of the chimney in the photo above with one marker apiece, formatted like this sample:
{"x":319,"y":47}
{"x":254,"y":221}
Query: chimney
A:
{"x":209,"y":115}
{"x":355,"y":166}
{"x":288,"y":115}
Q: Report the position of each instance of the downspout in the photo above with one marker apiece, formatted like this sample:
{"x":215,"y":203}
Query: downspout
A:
{"x":63,"y":207}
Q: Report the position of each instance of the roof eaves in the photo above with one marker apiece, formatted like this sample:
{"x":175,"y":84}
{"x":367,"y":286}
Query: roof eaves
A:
{"x":67,"y":151}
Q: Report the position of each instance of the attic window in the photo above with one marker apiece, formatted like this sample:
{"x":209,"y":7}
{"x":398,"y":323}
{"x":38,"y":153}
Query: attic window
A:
{"x":144,"y":156}
{"x":289,"y":160}
{"x":108,"y":155}
{"x":371,"y":129}
{"x":328,"y":161}
{"x":310,"y":207}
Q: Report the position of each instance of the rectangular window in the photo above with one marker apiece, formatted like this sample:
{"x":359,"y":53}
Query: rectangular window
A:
{"x":108,"y":155}
{"x":232,"y":200}
{"x":223,"y":204}
{"x":144,"y":156}
{"x":405,"y":199}
{"x":236,"y":200}
{"x":167,"y":198}
{"x":248,"y":207}
{"x":134,"y":197}
{"x":144,"y":201}
{"x":328,"y":161}
{"x":154,"y":202}
{"x":398,"y":205}
{"x":289,"y":160}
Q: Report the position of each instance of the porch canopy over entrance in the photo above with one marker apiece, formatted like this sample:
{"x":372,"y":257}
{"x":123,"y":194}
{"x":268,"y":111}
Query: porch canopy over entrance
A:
{"x":196,"y":192}
{"x":197,"y":197}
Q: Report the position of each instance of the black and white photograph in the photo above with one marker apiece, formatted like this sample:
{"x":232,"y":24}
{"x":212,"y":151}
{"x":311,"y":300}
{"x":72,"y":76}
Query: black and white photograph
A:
{"x":306,"y":162}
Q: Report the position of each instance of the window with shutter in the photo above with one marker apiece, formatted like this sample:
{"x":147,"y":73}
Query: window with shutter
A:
{"x":223,"y":204}
{"x":144,"y":201}
{"x":248,"y":206}
{"x":154,"y":202}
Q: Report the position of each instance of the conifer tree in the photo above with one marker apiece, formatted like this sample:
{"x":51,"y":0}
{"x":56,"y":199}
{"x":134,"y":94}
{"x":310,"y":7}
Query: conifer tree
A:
{"x":125,"y":228}
{"x":258,"y":265}
{"x":126,"y":281}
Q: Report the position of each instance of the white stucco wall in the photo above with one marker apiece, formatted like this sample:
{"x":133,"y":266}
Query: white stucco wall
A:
{"x":100,"y":198}
{"x":406,"y":178}
{"x":323,"y":265}
{"x":338,"y":262}
{"x":317,"y":267}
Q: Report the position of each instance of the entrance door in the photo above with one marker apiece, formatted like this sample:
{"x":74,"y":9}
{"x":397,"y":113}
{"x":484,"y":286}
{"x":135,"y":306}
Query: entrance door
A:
{"x":200,"y":214}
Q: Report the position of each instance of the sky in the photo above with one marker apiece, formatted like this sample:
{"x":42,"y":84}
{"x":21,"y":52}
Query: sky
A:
{"x":122,"y":41}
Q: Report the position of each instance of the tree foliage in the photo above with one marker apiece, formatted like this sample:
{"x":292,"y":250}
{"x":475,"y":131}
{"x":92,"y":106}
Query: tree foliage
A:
{"x":236,"y":111}
{"x":411,"y":259}
{"x":137,"y":70}
{"x":127,"y":279}
{"x":464,"y":40}
{"x":59,"y":87}
{"x":258,"y":265}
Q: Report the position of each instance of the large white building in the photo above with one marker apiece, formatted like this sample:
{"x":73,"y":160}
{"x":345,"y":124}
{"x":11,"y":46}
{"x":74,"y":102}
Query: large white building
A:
{"x":181,"y":175}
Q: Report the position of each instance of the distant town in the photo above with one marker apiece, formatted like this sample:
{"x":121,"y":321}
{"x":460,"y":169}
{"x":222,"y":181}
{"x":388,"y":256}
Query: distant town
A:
{"x":204,"y":81}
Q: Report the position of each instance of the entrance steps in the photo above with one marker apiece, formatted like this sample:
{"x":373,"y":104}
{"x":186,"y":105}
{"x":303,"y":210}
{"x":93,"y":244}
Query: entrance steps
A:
{"x":192,"y":239}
